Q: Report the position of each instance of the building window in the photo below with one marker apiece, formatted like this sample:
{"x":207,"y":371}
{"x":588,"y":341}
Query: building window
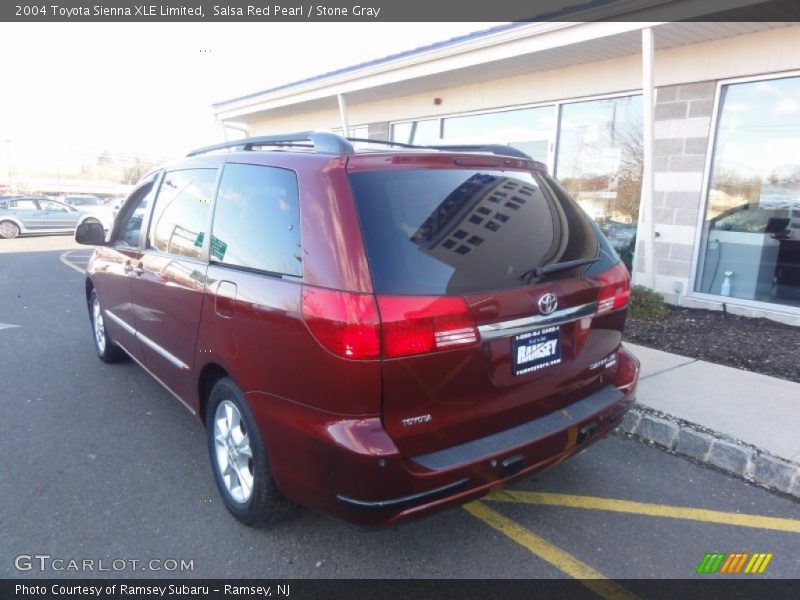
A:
{"x":529,"y":129}
{"x":750,"y":244}
{"x":357,"y":131}
{"x":422,"y":133}
{"x":599,"y":162}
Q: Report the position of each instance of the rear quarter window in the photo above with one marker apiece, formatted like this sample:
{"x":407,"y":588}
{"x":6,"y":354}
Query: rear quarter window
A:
{"x":257,"y":220}
{"x":459,"y":231}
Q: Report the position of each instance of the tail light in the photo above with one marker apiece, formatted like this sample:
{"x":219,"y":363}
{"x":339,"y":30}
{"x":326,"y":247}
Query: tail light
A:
{"x":615,"y":289}
{"x":356,"y":326}
{"x":345,"y":323}
{"x":420,"y":324}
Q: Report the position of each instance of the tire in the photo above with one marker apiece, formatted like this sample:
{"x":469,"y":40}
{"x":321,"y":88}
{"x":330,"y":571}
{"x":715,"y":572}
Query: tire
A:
{"x":8,"y":230}
{"x":239,"y":459}
{"x":106,"y":349}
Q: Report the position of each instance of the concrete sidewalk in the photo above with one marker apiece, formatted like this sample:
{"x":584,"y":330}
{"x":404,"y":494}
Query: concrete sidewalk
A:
{"x":744,"y":423}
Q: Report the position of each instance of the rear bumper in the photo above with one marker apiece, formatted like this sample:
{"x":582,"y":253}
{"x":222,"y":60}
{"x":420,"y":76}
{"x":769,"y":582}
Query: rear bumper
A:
{"x":350,"y":468}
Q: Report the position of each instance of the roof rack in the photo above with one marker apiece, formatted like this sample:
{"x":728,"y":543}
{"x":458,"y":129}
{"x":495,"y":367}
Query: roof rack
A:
{"x":323,"y":142}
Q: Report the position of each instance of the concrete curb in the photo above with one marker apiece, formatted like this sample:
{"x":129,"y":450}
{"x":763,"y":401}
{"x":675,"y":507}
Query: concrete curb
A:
{"x":710,"y":447}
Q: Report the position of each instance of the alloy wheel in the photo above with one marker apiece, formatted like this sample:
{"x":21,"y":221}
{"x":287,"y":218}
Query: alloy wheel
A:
{"x":233,"y":451}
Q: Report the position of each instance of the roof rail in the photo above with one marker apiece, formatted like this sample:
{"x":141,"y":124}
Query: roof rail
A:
{"x":322,"y":142}
{"x":498,"y":149}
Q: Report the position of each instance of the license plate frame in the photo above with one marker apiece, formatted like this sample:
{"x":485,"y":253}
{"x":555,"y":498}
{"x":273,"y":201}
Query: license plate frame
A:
{"x":536,"y":350}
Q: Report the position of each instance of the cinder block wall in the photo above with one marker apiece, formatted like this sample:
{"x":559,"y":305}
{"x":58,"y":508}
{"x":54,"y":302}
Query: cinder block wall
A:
{"x":681,"y":141}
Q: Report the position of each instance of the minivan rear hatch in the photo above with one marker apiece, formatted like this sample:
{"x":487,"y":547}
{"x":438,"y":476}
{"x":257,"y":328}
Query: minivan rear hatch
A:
{"x":499,"y":298}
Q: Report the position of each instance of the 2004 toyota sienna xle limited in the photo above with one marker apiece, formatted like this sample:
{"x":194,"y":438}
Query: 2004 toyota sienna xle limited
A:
{"x":375,"y":334}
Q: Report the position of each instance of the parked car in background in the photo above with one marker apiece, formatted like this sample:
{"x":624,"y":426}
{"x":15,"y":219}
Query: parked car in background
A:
{"x":82,"y":200}
{"x":91,"y":203}
{"x":375,"y":334}
{"x":24,"y":215}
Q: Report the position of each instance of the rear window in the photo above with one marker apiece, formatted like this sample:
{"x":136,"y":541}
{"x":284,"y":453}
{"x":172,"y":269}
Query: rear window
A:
{"x":457,"y":231}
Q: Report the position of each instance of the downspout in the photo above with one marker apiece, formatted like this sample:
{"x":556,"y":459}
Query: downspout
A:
{"x":646,"y":227}
{"x":225,"y":126}
{"x":343,"y":115}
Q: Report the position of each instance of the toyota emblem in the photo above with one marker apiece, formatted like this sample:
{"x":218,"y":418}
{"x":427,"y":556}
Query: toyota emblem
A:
{"x":548,"y":303}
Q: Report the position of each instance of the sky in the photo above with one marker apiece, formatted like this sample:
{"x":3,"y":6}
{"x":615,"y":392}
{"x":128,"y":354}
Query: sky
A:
{"x":148,"y":88}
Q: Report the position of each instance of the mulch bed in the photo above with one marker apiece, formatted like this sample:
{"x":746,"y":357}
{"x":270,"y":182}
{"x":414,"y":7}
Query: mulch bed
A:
{"x":758,"y":345}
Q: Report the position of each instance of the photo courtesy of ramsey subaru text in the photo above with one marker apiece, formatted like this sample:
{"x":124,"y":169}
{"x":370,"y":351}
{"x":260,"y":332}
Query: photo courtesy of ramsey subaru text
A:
{"x":373,"y":330}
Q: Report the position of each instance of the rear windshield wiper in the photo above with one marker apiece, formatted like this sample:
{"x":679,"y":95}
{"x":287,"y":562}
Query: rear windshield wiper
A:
{"x":540,"y":272}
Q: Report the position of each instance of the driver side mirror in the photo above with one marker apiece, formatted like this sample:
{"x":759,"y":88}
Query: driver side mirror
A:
{"x":90,"y":233}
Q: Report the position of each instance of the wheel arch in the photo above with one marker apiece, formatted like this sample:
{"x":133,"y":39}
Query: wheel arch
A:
{"x":13,"y":220}
{"x":209,"y":375}
{"x":89,"y":288}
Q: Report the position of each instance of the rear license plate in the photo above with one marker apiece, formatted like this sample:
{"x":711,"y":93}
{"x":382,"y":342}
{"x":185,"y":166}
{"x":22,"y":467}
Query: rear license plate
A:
{"x":536,"y":350}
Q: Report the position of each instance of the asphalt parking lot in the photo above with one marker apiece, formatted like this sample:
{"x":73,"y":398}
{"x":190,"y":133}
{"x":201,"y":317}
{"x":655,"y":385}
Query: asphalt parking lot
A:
{"x":99,"y":462}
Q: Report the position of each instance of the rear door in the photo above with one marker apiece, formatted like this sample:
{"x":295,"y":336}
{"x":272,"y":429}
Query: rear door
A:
{"x":27,"y":212}
{"x":169,"y":279}
{"x":487,"y":236}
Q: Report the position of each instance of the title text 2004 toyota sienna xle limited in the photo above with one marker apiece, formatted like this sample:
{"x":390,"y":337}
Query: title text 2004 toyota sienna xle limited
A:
{"x":374,"y":334}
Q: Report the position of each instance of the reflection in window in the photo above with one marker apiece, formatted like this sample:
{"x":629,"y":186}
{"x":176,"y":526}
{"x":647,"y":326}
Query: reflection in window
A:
{"x":416,"y":132}
{"x":181,"y":212}
{"x":750,"y":246}
{"x":529,"y":129}
{"x":441,"y":231}
{"x":257,"y":220}
{"x":600,"y":164}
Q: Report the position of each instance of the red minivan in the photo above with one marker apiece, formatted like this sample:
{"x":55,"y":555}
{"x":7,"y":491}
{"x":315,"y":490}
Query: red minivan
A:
{"x":375,"y":334}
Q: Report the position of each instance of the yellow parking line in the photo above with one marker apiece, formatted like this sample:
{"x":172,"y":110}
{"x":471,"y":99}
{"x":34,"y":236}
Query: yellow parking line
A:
{"x":563,"y":561}
{"x":63,"y":258}
{"x":651,"y":510}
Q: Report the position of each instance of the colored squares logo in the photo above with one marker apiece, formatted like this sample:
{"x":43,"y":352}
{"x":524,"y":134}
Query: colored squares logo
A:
{"x":737,"y":562}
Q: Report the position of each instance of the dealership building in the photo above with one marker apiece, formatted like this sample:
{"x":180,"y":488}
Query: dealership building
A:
{"x":709,"y":168}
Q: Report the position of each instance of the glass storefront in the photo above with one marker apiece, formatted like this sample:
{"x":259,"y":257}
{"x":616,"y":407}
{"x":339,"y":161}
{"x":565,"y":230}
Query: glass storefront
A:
{"x":599,"y":156}
{"x":750,"y":244}
{"x":599,"y":162}
{"x":529,"y":129}
{"x":423,"y":132}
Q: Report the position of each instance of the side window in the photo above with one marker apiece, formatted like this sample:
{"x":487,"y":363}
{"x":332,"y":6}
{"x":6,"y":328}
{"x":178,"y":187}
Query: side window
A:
{"x":180,"y":217}
{"x":23,"y":205}
{"x":257,"y":220}
{"x":50,"y":205}
{"x":131,"y":231}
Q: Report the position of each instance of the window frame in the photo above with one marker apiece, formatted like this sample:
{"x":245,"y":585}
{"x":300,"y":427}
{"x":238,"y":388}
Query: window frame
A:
{"x":126,"y":210}
{"x":256,"y":270}
{"x":718,"y":299}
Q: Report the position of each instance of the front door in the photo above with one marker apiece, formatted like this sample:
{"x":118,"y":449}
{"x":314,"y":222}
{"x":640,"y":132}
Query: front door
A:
{"x":169,"y":280}
{"x":112,"y":270}
{"x":57,"y":216}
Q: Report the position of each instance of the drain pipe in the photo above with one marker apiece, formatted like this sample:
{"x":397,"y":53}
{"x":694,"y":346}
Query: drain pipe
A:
{"x":343,"y":114}
{"x":648,"y":50}
{"x":236,"y":126}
